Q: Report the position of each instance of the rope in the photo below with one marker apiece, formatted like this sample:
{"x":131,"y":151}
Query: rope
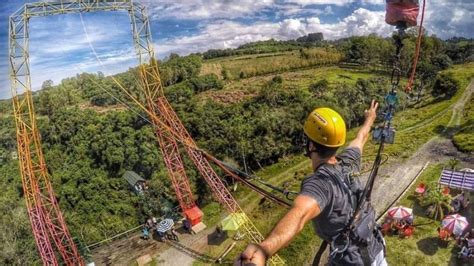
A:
{"x":417,"y":51}
{"x":255,"y":188}
{"x":249,"y":177}
{"x":195,"y":254}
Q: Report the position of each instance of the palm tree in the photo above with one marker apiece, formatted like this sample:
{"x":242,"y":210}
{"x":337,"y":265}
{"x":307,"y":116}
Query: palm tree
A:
{"x":453,"y":163}
{"x":438,"y":202}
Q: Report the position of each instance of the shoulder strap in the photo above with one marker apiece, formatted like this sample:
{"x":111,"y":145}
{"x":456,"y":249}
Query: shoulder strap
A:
{"x":347,"y":187}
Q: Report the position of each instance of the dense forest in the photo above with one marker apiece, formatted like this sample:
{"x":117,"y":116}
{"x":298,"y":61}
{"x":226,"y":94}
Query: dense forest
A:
{"x":90,"y":138}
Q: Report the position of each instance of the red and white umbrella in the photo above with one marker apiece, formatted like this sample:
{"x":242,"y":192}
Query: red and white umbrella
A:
{"x":455,"y":223}
{"x":399,"y":213}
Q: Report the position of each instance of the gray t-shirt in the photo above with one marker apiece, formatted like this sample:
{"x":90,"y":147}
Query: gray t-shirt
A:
{"x":334,"y":201}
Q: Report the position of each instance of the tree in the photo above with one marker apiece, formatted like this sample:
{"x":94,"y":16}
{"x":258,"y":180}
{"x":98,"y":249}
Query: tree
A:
{"x":445,"y":85}
{"x":438,"y":202}
{"x":312,"y":38}
{"x":441,"y":61}
{"x":47,"y":84}
{"x":453,"y":163}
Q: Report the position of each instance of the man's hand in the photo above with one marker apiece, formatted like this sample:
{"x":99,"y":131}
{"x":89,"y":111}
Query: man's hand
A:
{"x":252,"y":255}
{"x":304,"y":209}
{"x":371,"y":114}
{"x":364,"y":131}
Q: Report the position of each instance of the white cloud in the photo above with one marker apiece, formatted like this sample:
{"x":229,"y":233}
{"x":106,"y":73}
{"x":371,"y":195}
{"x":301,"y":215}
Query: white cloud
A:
{"x":64,"y":51}
{"x":227,"y":34}
{"x":218,"y":27}
{"x":205,"y":9}
{"x":335,"y":2}
{"x":450,"y":18}
{"x":320,"y":2}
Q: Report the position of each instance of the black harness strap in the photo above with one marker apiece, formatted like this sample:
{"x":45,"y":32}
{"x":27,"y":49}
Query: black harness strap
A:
{"x":320,"y":252}
{"x":353,"y":200}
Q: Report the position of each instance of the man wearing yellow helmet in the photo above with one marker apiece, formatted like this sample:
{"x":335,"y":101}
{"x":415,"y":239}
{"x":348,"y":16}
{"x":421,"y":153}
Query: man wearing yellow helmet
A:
{"x":327,"y":196}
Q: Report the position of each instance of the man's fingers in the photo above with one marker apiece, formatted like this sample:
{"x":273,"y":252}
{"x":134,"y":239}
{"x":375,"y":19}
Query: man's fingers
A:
{"x":248,"y":252}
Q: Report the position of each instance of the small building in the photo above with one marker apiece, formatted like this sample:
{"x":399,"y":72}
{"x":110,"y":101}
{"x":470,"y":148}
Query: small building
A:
{"x":137,"y":183}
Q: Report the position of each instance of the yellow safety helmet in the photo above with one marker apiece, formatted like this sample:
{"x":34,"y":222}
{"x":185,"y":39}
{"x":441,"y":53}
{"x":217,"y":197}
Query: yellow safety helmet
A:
{"x":326,"y":127}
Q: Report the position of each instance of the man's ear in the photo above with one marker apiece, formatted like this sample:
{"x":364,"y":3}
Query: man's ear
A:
{"x":311,"y":146}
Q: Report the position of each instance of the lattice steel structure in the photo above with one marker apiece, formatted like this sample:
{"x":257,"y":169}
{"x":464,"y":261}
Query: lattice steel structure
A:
{"x":46,"y":219}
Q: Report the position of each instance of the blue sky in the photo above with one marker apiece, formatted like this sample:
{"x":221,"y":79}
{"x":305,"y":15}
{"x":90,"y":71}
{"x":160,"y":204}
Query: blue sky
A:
{"x":59,"y":47}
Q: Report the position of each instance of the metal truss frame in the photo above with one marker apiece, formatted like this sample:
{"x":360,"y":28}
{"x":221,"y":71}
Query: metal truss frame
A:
{"x":46,"y":219}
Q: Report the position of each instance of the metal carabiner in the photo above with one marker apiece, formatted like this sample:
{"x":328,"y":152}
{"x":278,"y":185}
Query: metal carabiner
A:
{"x":335,"y":250}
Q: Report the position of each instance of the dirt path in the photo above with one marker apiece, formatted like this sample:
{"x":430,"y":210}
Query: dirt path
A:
{"x":395,"y":177}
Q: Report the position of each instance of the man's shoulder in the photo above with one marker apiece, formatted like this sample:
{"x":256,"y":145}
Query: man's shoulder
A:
{"x":350,"y":155}
{"x":350,"y":151}
{"x":321,"y":177}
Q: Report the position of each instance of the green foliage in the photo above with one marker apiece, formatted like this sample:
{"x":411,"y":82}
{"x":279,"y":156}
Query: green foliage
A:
{"x":259,"y":47}
{"x":368,"y":50}
{"x":249,"y":66}
{"x":178,"y":69}
{"x":441,"y":61}
{"x":464,"y":140}
{"x":438,"y":201}
{"x":445,"y":85}
{"x":207,"y":82}
{"x":277,"y":79}
{"x":312,"y":38}
{"x":460,"y":49}
{"x":18,"y":245}
{"x":319,"y":88}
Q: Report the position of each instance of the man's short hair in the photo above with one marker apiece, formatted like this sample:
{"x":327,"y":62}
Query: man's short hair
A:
{"x":324,"y":151}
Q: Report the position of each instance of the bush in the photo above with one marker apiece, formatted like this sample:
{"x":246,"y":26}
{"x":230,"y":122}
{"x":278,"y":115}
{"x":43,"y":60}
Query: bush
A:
{"x":277,"y":79}
{"x":179,"y":93}
{"x":445,"y":85}
{"x":463,"y":140}
{"x":206,"y":82}
{"x":441,"y":61}
{"x":319,"y":87}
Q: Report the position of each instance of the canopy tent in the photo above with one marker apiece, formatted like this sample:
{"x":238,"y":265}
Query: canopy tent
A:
{"x":164,"y":225}
{"x":457,"y":179}
{"x":233,"y":221}
{"x":400,"y":213}
{"x":455,"y":223}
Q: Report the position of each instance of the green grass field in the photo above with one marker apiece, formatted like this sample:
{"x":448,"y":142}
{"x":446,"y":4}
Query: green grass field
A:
{"x":237,"y":67}
{"x":292,"y":80}
{"x":423,"y":248}
{"x":464,"y":139}
{"x":294,"y":168}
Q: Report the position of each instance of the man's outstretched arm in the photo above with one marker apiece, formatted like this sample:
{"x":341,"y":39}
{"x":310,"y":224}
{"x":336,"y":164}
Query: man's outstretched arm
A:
{"x":364,"y":131}
{"x":304,"y":209}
